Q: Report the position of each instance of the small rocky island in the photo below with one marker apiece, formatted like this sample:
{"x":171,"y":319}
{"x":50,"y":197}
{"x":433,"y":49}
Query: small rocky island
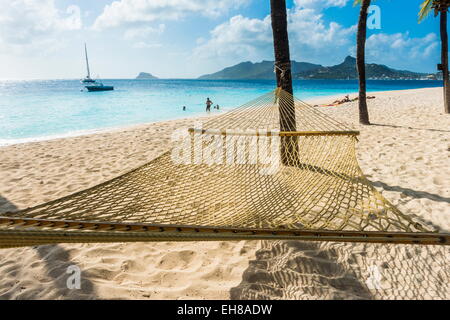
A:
{"x":145,"y":75}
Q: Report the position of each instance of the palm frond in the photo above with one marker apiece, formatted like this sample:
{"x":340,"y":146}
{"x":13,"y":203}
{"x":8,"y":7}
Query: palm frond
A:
{"x":425,"y":9}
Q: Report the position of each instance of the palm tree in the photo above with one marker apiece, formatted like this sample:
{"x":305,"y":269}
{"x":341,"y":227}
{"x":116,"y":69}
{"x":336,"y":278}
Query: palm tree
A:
{"x":361,"y":60}
{"x":289,"y":148}
{"x":440,"y":7}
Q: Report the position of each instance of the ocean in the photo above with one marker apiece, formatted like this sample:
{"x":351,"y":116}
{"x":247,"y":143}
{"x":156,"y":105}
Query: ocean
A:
{"x":45,"y":109}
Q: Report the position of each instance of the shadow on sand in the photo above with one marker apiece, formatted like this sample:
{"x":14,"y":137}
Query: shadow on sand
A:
{"x":411,"y":193}
{"x":410,"y":128}
{"x":299,"y":270}
{"x":308,"y":270}
{"x":56,"y":261}
{"x":416,"y":195}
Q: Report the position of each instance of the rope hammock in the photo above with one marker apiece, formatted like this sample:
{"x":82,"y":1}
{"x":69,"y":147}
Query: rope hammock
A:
{"x":237,"y":176}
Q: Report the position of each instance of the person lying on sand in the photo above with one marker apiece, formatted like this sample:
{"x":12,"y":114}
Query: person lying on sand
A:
{"x":345,"y":100}
{"x":338,"y":102}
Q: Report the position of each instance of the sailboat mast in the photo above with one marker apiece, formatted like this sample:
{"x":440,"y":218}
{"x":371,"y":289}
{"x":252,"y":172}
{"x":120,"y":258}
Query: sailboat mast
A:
{"x":87,"y":62}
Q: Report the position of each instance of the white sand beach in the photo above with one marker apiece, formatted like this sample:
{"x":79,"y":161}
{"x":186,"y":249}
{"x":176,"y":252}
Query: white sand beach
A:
{"x":405,"y":154}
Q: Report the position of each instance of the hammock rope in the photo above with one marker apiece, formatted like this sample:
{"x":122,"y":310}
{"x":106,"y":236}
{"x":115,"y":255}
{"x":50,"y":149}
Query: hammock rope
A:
{"x":236,"y":176}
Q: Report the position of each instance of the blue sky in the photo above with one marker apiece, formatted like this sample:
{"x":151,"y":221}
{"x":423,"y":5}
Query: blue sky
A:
{"x":43,"y":39}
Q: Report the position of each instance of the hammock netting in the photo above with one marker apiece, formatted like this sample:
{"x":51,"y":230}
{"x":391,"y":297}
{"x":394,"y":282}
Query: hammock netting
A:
{"x":275,"y":168}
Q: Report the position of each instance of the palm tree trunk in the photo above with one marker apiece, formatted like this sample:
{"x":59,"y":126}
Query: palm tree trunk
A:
{"x":444,"y":58}
{"x":361,"y":61}
{"x":281,"y":44}
{"x":289,"y":147}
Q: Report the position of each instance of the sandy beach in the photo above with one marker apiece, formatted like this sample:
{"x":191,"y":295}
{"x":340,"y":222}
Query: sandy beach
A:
{"x":405,"y":153}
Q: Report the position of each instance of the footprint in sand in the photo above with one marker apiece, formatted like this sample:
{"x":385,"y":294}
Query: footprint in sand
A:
{"x":177,"y":260}
{"x":438,"y":181}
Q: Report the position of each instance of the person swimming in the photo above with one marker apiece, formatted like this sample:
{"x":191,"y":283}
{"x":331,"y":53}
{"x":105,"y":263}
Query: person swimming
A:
{"x":208,"y":105}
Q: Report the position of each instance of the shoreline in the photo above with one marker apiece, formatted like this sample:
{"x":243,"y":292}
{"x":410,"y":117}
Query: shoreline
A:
{"x":319,"y":100}
{"x":88,"y":132}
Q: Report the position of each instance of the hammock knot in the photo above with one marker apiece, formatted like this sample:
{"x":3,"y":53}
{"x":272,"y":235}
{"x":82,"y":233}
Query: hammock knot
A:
{"x":278,"y":92}
{"x":282,"y":67}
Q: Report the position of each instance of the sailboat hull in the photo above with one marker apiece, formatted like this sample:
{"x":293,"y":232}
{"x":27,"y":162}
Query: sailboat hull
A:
{"x":99,"y":88}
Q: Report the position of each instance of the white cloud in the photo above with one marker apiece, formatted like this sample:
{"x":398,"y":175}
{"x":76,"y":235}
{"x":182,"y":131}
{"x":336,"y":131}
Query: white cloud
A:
{"x":26,"y":24}
{"x":307,"y":29}
{"x":144,"y":32}
{"x":242,"y":38}
{"x":126,"y":12}
{"x":320,"y":4}
{"x":145,"y":45}
{"x":400,"y":49}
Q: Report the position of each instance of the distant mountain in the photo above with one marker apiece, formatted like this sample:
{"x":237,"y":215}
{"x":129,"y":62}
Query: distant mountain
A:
{"x":304,"y":70}
{"x":145,"y":75}
{"x":260,"y":70}
{"x":347,"y":70}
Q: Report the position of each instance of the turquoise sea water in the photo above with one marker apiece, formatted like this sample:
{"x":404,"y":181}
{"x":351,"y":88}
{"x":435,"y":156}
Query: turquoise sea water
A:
{"x":41,"y":109}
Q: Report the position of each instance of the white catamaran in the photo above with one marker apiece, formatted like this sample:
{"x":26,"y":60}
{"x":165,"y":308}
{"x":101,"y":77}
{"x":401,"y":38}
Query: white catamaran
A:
{"x":91,"y":84}
{"x":88,"y":77}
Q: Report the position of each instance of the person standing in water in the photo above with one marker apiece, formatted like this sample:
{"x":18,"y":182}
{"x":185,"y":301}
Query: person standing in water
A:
{"x":208,"y":105}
